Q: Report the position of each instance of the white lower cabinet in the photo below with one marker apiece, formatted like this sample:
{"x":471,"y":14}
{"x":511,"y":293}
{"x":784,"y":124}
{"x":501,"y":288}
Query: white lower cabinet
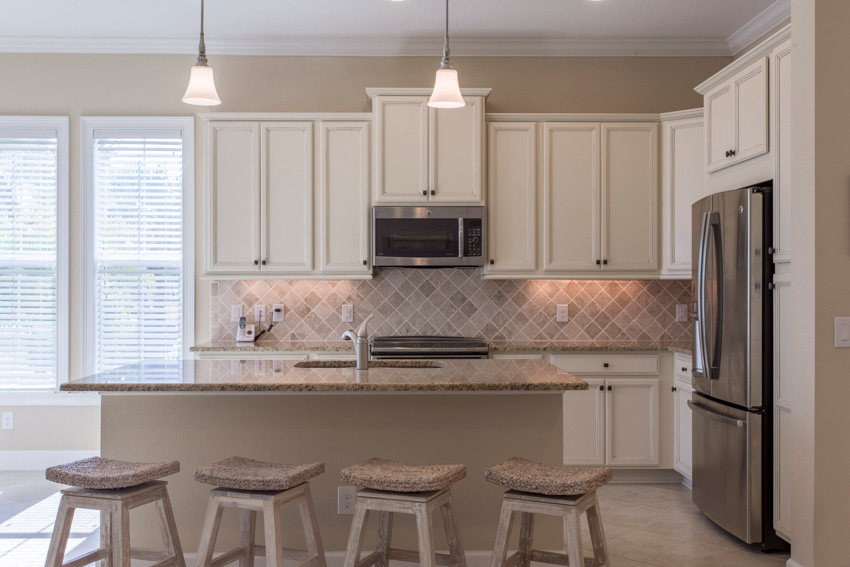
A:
{"x":632,"y":422}
{"x":584,"y":425}
{"x":683,"y":443}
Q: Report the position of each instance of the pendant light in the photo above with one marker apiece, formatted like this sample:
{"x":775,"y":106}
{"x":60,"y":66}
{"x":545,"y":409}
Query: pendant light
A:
{"x":201,"y":89}
{"x":446,"y":92}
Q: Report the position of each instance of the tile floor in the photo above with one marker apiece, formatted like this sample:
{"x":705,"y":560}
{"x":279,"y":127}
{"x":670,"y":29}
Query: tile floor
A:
{"x":647,"y":525}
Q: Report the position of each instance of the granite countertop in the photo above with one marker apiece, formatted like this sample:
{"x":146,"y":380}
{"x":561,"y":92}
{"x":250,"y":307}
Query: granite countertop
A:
{"x":287,"y":376}
{"x":495,"y":346}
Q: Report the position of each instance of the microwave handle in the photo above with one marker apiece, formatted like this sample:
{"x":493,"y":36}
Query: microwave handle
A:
{"x":460,"y":238}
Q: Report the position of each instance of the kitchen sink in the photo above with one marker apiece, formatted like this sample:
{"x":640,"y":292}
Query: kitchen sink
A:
{"x":372,"y":364}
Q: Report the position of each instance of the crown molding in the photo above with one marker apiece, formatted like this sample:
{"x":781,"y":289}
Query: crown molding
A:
{"x":682,"y":114}
{"x":539,"y":117}
{"x":372,"y":92}
{"x":771,"y":17}
{"x":295,"y":116}
{"x":373,"y":47}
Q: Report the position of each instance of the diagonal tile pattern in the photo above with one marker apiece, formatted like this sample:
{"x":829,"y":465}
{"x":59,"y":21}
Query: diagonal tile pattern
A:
{"x":459,"y":302}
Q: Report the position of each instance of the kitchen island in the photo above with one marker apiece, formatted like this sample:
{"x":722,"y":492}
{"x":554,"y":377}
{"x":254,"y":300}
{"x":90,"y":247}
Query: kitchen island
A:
{"x":475,"y":412}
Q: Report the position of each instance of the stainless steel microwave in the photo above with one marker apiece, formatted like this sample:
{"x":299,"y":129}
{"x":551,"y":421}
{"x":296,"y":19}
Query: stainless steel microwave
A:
{"x":428,"y":236}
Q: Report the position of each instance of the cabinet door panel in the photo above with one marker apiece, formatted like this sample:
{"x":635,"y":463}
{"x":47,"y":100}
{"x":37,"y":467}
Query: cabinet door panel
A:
{"x":233,"y":197}
{"x":345,"y":197}
{"x":782,"y":472}
{"x":584,"y":425}
{"x":632,"y":422}
{"x":750,"y":111}
{"x":571,"y":197}
{"x":401,"y":149}
{"x":780,"y":69}
{"x":630,"y":196}
{"x":682,"y":185}
{"x":511,"y":196}
{"x":682,"y":431}
{"x":287,"y":197}
{"x":720,"y":124}
{"x":456,"y":152}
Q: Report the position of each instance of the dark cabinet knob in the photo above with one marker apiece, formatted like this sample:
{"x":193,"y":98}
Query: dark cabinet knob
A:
{"x":424,"y":192}
{"x":673,"y":388}
{"x":433,"y":192}
{"x":365,"y":262}
{"x":684,"y":369}
{"x":605,"y":365}
{"x":492,"y":262}
{"x":256,"y":262}
{"x":264,"y":262}
{"x":732,"y":152}
{"x":598,"y":262}
{"x":610,"y":388}
{"x":727,"y":153}
{"x":601,"y":387}
{"x":605,"y":262}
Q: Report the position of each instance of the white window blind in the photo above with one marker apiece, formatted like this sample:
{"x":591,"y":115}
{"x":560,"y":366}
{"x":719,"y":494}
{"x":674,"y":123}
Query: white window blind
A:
{"x":29,"y":279}
{"x":138,"y":256}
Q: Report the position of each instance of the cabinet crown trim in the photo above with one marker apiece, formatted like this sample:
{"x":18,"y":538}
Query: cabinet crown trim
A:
{"x":532,"y":117}
{"x":372,"y":92}
{"x":761,"y":50}
{"x":683,"y":114}
{"x":275,"y":116}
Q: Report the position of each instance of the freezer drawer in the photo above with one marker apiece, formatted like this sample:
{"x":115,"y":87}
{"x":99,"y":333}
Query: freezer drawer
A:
{"x":727,"y":466}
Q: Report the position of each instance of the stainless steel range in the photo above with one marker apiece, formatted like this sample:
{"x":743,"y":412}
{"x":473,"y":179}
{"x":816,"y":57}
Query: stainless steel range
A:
{"x":425,"y":347}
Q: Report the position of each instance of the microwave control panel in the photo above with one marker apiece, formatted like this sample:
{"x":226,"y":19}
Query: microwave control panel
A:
{"x":472,"y":237}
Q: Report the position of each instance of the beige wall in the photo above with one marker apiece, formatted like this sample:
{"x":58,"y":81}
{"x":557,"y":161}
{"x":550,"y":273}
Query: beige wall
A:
{"x":39,"y":428}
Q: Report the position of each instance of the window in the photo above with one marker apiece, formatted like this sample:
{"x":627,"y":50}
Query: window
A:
{"x":138,"y":285}
{"x":33,"y":253}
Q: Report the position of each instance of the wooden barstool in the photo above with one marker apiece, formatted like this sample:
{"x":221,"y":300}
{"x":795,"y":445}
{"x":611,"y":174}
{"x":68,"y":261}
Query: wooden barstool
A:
{"x":536,"y":488}
{"x":268,"y":488}
{"x":114,"y":488}
{"x":390,"y":487}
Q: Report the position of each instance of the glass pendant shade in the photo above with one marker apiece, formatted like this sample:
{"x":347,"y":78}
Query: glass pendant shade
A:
{"x":446,"y":92}
{"x":201,"y":89}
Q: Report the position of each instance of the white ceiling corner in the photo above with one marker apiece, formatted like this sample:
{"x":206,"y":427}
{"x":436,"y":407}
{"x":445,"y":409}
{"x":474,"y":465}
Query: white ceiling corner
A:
{"x":771,"y":17}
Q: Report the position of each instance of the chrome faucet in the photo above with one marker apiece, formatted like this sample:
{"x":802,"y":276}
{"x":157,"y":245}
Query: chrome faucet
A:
{"x":361,"y":343}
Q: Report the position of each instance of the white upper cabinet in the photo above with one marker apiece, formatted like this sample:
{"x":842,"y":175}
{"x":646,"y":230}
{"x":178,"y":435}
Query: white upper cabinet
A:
{"x":736,"y":114}
{"x":233,"y":197}
{"x":512,"y":197}
{"x":780,"y":63}
{"x":426,"y":155}
{"x":630,"y":197}
{"x":571,"y":196}
{"x":681,"y":186}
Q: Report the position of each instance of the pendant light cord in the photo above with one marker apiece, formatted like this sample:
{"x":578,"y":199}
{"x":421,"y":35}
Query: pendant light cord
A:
{"x":202,"y":48}
{"x":447,"y":62}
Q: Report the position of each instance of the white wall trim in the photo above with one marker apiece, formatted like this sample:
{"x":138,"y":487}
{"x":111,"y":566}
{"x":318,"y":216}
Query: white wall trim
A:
{"x":375,"y":47}
{"x":771,"y":17}
{"x":682,"y":114}
{"x":50,"y":399}
{"x":40,"y":460}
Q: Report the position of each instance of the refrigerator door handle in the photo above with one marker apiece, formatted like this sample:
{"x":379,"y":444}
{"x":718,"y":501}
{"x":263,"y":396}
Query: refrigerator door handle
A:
{"x":701,"y":307}
{"x":715,"y":416}
{"x":714,"y":222}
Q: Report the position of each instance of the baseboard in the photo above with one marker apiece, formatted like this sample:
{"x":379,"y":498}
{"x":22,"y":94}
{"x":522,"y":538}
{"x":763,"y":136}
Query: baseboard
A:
{"x":689,"y":482}
{"x":336,"y":558}
{"x":663,"y":476}
{"x":792,"y":563}
{"x":40,"y":460}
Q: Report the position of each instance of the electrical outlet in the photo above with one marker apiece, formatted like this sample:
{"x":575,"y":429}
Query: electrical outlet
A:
{"x":348,"y":314}
{"x":842,"y":340}
{"x":562,"y":315}
{"x":8,"y":420}
{"x":259,"y":313}
{"x":235,"y":313}
{"x":259,"y":367}
{"x":682,"y":312}
{"x":346,"y":496}
{"x":236,"y":368}
{"x":277,"y":313}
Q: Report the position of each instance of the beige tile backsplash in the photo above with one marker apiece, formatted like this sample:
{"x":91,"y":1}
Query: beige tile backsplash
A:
{"x":458,"y":302}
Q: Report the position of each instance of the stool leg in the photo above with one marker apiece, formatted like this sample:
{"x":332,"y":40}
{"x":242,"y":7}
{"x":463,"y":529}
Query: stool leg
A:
{"x":385,"y":538}
{"x":572,"y":537}
{"x":106,"y":537}
{"x":355,"y":536}
{"x":456,"y":550}
{"x":426,"y":537}
{"x":500,"y":549}
{"x":597,"y":533}
{"x":168,"y":527}
{"x":61,"y":531}
{"x":311,"y":527}
{"x":526,"y":538}
{"x":212,"y":521}
{"x":274,"y":535}
{"x":120,"y":534}
{"x":247,"y":536}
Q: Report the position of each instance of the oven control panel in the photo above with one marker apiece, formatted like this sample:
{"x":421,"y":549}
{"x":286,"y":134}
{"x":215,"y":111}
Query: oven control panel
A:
{"x":472,"y":237}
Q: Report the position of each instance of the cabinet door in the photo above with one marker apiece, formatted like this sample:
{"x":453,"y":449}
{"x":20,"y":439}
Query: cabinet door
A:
{"x":456,"y":153}
{"x":751,"y":105}
{"x":345,"y":197}
{"x":783,"y":342}
{"x":780,"y":70}
{"x":511,"y":197}
{"x":233,"y":197}
{"x":287,"y":197}
{"x":632,"y":422}
{"x":682,"y":431}
{"x":630,"y":196}
{"x":720,"y":124}
{"x":682,"y":185}
{"x":584,"y":425}
{"x":401,"y":149}
{"x":571,"y":197}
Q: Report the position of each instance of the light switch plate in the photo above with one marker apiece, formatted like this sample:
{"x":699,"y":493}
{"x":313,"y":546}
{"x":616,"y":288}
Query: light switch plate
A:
{"x":682,"y":312}
{"x":8,"y":420}
{"x":842,"y":332}
{"x":348,"y":314}
{"x":235,"y":313}
{"x":562,"y":315}
{"x":277,"y":316}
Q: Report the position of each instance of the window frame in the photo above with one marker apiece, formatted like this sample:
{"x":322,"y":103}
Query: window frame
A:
{"x":88,"y":125}
{"x":61,"y":125}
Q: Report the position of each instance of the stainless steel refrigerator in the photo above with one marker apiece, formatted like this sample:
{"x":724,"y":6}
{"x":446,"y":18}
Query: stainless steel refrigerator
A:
{"x":733,"y":356}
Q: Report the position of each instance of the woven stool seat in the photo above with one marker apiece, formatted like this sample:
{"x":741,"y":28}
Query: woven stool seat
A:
{"x":379,"y":474}
{"x":528,"y":476}
{"x":239,"y":473}
{"x":99,"y":473}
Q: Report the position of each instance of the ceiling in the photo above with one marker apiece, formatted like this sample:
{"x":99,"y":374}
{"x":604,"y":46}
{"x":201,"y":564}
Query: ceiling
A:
{"x":384,"y":27}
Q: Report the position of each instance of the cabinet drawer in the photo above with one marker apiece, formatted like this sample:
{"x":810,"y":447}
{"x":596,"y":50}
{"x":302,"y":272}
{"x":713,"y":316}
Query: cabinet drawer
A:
{"x":607,"y":364}
{"x":682,"y":365}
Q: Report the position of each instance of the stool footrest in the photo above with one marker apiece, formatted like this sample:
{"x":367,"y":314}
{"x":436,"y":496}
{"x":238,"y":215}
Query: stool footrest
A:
{"x":413,"y":556}
{"x":88,"y":558}
{"x":370,"y":559}
{"x":149,"y":554}
{"x":228,"y":558}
